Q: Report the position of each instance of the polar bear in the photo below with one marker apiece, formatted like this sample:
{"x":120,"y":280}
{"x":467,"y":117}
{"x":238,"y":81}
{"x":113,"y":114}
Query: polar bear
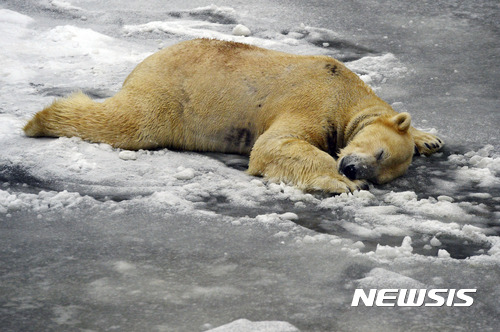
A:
{"x":305,"y":120}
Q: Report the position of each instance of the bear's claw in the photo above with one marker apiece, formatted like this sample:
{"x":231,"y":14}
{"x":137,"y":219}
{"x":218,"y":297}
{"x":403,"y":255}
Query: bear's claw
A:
{"x":344,"y":185}
{"x":363,"y":186}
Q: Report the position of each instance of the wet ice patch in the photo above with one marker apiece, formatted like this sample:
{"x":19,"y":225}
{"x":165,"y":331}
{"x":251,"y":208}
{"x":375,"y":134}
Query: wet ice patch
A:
{"x":66,"y":315}
{"x":13,"y":32}
{"x":224,"y":24}
{"x":124,"y":267}
{"x":327,"y":42}
{"x":61,"y":6}
{"x":213,"y":13}
{"x":63,"y":42}
{"x":15,"y":19}
{"x":38,"y":59}
{"x":198,"y":29}
{"x":202,"y":22}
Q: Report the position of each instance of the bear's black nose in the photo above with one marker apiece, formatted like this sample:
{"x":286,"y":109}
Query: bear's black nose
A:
{"x":350,"y":171}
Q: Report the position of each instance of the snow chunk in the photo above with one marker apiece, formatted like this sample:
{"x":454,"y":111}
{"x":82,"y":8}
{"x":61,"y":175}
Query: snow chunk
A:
{"x":400,"y":198}
{"x":80,"y":164}
{"x":171,"y":199}
{"x":442,"y":208}
{"x":364,"y":194}
{"x":318,"y":238}
{"x":480,"y":195}
{"x":435,"y":242}
{"x":127,"y":155}
{"x":443,"y":254}
{"x":184,"y":174}
{"x":41,"y":202}
{"x":358,"y":244}
{"x":377,"y":69}
{"x":481,"y":167}
{"x":382,"y":278}
{"x":389,"y":253}
{"x":444,"y":198}
{"x":360,"y":231}
{"x":289,"y":216}
{"x":244,"y":325}
{"x":13,"y":30}
{"x":241,"y":30}
{"x":277,"y":219}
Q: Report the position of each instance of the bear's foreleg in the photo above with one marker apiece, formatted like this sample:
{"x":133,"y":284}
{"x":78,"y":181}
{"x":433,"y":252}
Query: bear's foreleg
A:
{"x":294,"y":160}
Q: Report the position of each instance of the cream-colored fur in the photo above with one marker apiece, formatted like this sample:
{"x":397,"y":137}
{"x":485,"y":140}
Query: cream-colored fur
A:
{"x":293,"y":114}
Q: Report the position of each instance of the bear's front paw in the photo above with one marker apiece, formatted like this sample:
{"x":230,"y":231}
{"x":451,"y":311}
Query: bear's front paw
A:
{"x":426,"y":143}
{"x":337,"y":184}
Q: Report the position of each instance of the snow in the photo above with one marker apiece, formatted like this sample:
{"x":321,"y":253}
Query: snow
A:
{"x":377,"y":69}
{"x":241,"y":30}
{"x":481,"y":167}
{"x":435,"y":242}
{"x":244,"y":325}
{"x":442,"y":253}
{"x":390,"y":253}
{"x":184,"y":173}
{"x":127,"y":155}
{"x":99,"y":238}
{"x":382,"y":278}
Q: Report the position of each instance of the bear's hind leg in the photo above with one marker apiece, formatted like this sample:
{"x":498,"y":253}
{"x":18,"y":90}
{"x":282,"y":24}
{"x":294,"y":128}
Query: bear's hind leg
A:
{"x":425,"y":143}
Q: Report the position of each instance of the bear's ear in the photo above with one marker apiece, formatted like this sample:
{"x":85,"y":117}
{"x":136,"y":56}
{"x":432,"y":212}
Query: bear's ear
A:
{"x":402,"y":121}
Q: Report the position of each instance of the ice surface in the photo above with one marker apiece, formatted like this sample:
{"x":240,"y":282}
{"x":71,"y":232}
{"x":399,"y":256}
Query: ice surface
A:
{"x":96,"y":238}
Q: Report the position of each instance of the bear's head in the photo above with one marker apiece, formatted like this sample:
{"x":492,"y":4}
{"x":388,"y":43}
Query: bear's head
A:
{"x":380,"y":151}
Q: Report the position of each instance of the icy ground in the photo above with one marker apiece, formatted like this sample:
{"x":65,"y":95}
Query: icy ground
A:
{"x":98,"y":239}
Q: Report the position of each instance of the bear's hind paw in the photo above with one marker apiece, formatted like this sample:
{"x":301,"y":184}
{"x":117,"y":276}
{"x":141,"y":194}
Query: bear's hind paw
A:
{"x":426,"y":143}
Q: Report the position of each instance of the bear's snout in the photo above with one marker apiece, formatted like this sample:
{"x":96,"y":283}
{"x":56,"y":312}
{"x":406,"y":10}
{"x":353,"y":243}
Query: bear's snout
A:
{"x":350,"y":172}
{"x":348,"y":167}
{"x":355,"y":168}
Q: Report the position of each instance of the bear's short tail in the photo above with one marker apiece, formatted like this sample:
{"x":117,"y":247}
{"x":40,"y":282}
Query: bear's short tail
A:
{"x":62,"y":118}
{"x":80,"y":116}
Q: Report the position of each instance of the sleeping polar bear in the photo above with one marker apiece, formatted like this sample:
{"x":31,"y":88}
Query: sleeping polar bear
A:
{"x":304,"y":120}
